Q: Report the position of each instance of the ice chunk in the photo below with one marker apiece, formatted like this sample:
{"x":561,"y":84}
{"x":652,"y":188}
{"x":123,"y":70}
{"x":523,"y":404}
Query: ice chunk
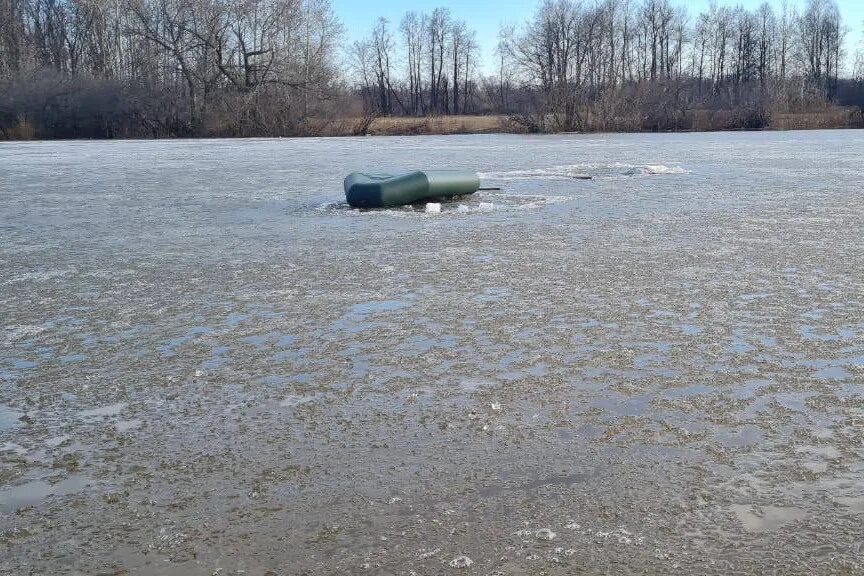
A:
{"x":545,"y":534}
{"x":433,"y":207}
{"x":461,"y":562}
{"x":486,"y":207}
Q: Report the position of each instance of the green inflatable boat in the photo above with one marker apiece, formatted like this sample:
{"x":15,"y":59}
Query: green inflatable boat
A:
{"x":385,"y":190}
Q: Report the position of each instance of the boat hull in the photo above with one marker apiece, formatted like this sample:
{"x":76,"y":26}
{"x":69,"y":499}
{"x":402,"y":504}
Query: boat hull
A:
{"x":386,"y":190}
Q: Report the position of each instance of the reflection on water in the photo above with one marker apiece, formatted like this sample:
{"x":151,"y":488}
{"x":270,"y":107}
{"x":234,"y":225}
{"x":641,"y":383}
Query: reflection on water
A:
{"x":206,"y":366}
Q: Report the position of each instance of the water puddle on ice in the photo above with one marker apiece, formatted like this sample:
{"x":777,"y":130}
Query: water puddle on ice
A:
{"x":72,"y":358}
{"x":471,"y":385}
{"x":21,"y":364}
{"x":832,"y":373}
{"x":37,"y":491}
{"x":690,"y":329}
{"x":739,"y":438}
{"x":9,"y":417}
{"x":169,"y":349}
{"x":493,"y":294}
{"x":855,"y":505}
{"x":57,"y":441}
{"x":103,"y":411}
{"x":378,"y":306}
{"x":766,"y":518}
{"x":127,"y":425}
{"x":295,"y":400}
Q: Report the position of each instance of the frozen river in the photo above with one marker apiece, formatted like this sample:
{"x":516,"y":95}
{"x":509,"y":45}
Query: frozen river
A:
{"x":208,"y":364}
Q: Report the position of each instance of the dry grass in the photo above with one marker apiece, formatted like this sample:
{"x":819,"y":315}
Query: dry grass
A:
{"x":702,"y":121}
{"x":837,"y":117}
{"x":22,"y":131}
{"x":834,"y":118}
{"x":410,"y":126}
{"x":438,"y":125}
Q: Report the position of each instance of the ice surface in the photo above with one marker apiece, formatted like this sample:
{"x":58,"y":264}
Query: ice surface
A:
{"x":662,"y":369}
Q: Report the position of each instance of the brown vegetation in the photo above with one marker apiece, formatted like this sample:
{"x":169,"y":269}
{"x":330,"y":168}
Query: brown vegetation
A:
{"x":439,"y":125}
{"x":834,"y":118}
{"x":697,"y":121}
{"x":165,"y":68}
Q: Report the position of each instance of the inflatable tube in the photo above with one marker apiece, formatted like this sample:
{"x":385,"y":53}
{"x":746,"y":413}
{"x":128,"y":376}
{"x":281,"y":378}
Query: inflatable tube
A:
{"x":385,"y":190}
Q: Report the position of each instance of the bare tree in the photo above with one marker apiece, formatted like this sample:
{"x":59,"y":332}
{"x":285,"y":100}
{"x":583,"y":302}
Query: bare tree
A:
{"x":437,"y":27}
{"x":412,"y":28}
{"x":821,"y":43}
{"x":168,"y":25}
{"x":242,"y":67}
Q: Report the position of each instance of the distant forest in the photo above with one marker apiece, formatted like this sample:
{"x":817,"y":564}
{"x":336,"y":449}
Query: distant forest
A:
{"x":168,"y":68}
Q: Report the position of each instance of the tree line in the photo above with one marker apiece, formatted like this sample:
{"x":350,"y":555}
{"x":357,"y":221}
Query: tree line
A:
{"x":440,"y":63}
{"x":167,"y":67}
{"x":613,"y":65}
{"x":114,"y":68}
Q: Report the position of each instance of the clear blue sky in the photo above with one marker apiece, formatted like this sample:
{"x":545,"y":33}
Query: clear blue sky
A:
{"x":486,"y":17}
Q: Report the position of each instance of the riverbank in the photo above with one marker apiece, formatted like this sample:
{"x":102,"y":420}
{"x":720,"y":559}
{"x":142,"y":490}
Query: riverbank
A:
{"x":695,"y":121}
{"x":691,"y":121}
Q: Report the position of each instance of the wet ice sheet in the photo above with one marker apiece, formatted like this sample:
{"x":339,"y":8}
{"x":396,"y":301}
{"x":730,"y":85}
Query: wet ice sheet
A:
{"x":206,"y":366}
